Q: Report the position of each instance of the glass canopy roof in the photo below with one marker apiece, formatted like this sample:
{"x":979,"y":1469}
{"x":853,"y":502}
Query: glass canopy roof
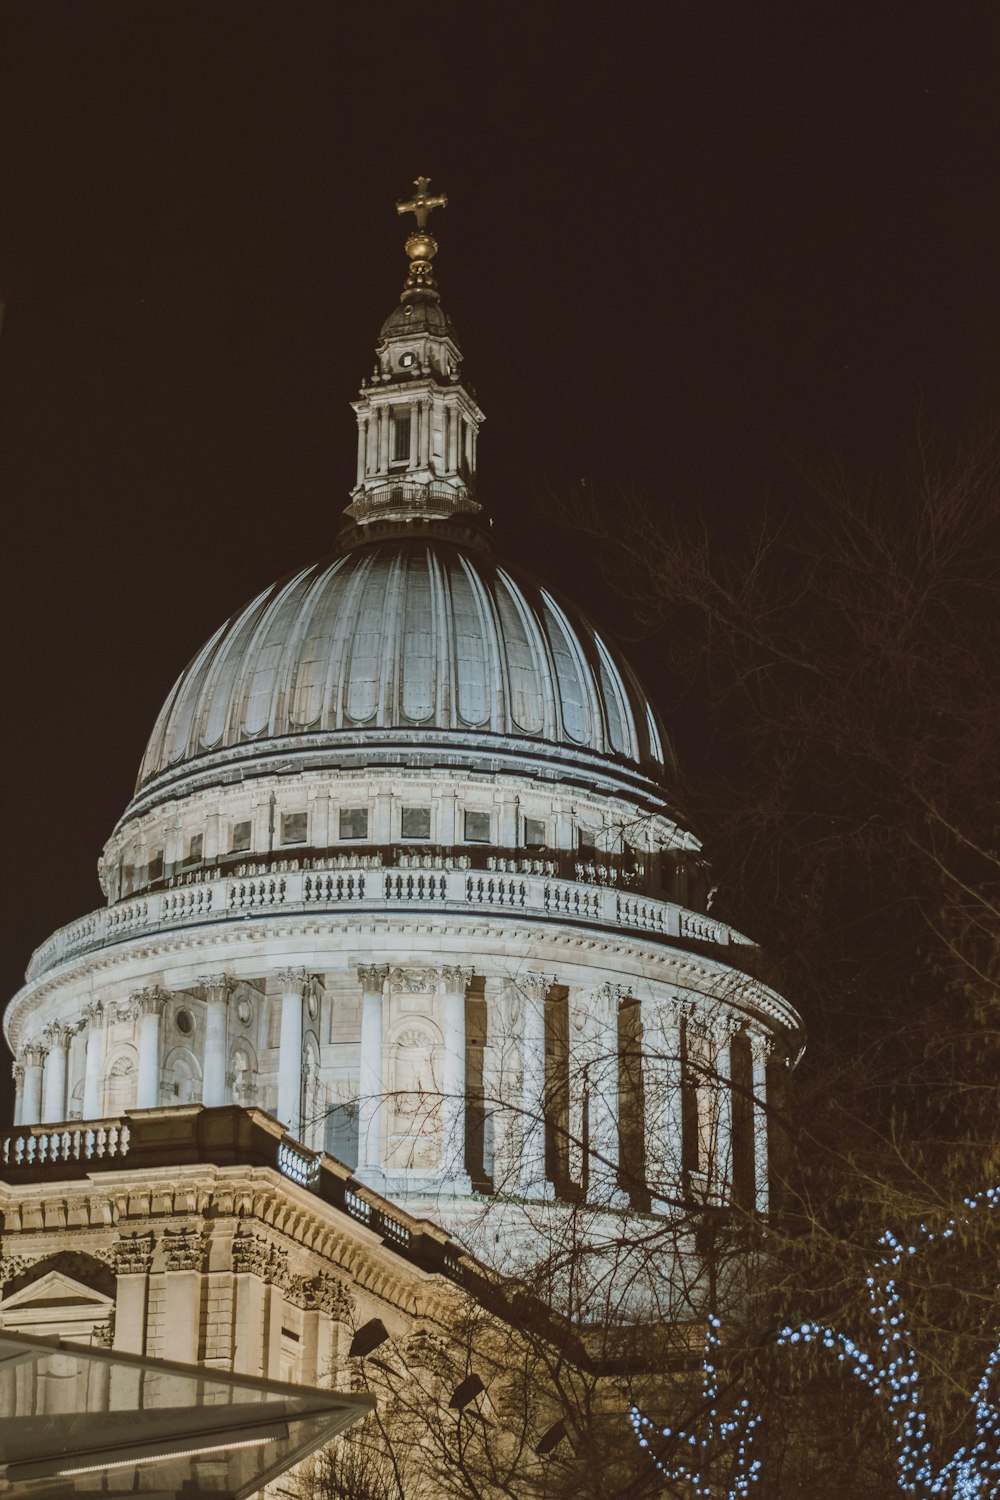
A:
{"x":76,"y":1420}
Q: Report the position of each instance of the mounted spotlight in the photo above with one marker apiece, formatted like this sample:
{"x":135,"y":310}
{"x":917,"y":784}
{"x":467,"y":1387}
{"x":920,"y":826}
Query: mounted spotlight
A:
{"x":551,"y":1439}
{"x":466,"y":1392}
{"x":367,"y":1338}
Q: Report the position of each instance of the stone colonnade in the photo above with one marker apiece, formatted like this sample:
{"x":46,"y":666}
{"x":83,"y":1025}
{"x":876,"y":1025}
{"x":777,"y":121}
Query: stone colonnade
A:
{"x":547,"y":1108}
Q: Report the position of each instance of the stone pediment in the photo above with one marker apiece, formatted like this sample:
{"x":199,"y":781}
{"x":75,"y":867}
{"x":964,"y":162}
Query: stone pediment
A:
{"x":56,"y":1303}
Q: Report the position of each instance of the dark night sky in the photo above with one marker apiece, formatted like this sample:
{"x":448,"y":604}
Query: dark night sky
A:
{"x":686,"y":245}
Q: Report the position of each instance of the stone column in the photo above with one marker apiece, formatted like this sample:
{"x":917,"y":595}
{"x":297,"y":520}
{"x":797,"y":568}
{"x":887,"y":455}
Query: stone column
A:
{"x":602,"y":1100}
{"x":183,"y":1257}
{"x":293,"y":982}
{"x":150,"y":1003}
{"x":370,"y":1084}
{"x":721,"y":1167}
{"x":96,"y":1021}
{"x":533,"y":1182}
{"x":760,"y":1050}
{"x":663,"y":1120}
{"x":17,"y":1071}
{"x":54,"y":1092}
{"x":216,"y":987}
{"x":31,"y":1102}
{"x":453,"y":986}
{"x":502,"y":1086}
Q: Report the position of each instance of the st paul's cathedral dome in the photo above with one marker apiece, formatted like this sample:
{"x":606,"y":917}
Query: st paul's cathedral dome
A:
{"x":403,"y":871}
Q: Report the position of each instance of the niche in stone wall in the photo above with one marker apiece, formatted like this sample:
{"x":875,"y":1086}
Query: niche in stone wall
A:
{"x":181,"y":1077}
{"x":121,"y":1078}
{"x":414,"y":1096}
{"x":243,"y":1074}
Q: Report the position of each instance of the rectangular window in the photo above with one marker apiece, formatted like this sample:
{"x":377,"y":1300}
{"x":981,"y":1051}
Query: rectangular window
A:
{"x":477,"y":827}
{"x":155,"y":871}
{"x":534,"y":833}
{"x":587,"y":841}
{"x":241,"y":837}
{"x":128,"y":879}
{"x":196,"y":845}
{"x":416,"y":823}
{"x":354,"y":822}
{"x":293,"y":828}
{"x":401,"y":439}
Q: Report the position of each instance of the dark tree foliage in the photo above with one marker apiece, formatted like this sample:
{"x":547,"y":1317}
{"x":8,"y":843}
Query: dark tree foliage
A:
{"x":846,"y":656}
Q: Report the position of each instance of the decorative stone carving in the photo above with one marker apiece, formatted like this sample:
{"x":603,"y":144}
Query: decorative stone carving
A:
{"x":150,"y":1001}
{"x":216,"y":986}
{"x":11,"y":1266}
{"x":183,"y":1249}
{"x":103,"y":1335}
{"x":535,"y":986}
{"x":372,"y":976}
{"x":413,"y":981}
{"x":320,"y":1293}
{"x":133,"y":1255}
{"x":34,"y":1054}
{"x":292,"y":981}
{"x":454,"y":979}
{"x":256,"y":1256}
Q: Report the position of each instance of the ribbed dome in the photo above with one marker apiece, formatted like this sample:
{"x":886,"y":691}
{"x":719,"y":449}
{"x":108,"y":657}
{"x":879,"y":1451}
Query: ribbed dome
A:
{"x":406,"y":634}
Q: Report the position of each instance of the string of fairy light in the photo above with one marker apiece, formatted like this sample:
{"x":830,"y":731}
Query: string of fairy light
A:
{"x":891,"y":1374}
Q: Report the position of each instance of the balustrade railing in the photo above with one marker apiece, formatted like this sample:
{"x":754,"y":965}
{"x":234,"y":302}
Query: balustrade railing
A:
{"x":37,"y":1146}
{"x":451,"y":886}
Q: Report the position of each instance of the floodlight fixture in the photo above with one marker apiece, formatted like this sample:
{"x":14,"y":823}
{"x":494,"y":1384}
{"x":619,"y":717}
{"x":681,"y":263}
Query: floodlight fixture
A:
{"x":368,"y":1337}
{"x":468,"y":1391}
{"x":551,"y":1438}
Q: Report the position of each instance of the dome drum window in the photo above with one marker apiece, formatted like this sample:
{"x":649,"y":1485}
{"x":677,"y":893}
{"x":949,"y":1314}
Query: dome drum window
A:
{"x":294,"y":827}
{"x":534,"y":833}
{"x":476,"y":826}
{"x":195,"y":852}
{"x":415,"y":823}
{"x":353,"y":823}
{"x":240,"y":839}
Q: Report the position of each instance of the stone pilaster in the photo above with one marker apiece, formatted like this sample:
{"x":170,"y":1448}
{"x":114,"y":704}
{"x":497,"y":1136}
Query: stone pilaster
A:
{"x":217,"y":988}
{"x":150,"y":1004}
{"x":293,"y":983}
{"x":760,"y":1051}
{"x":721,"y":1185}
{"x":54,"y":1091}
{"x":662,"y":1081}
{"x":33,"y":1058}
{"x":599,"y":1082}
{"x":453,"y":984}
{"x":370,"y":1081}
{"x":533,"y":1182}
{"x":95,"y":1020}
{"x":17,"y":1073}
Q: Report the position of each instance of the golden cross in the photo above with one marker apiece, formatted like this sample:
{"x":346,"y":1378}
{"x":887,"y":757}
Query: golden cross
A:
{"x":420,"y":204}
